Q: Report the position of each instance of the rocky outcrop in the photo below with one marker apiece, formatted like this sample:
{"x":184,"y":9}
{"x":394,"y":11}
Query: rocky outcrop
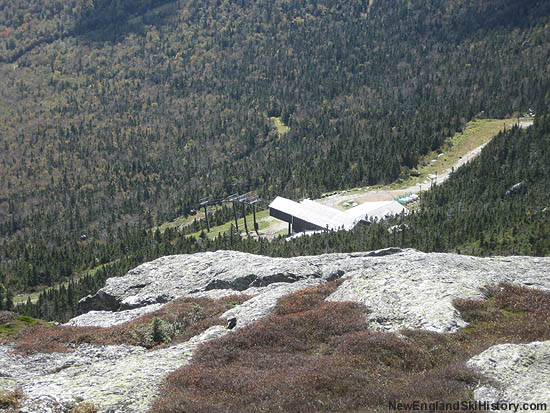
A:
{"x":113,"y":378}
{"x":111,"y":318}
{"x":518,"y":189}
{"x":401,"y":288}
{"x":415,"y":290}
{"x":174,"y":276}
{"x":520,"y":373}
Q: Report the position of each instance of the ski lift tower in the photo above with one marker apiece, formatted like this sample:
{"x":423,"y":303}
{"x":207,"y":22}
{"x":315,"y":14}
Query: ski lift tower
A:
{"x":233,"y":199}
{"x":203,"y":203}
{"x":242,"y":200}
{"x":252,"y":201}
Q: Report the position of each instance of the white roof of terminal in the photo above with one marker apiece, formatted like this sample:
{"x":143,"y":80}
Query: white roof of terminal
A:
{"x":314,"y":213}
{"x":327,"y":217}
{"x":378,"y":210}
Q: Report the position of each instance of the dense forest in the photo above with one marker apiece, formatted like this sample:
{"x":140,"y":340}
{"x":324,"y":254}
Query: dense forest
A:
{"x":499,"y":204}
{"x":118,"y":116}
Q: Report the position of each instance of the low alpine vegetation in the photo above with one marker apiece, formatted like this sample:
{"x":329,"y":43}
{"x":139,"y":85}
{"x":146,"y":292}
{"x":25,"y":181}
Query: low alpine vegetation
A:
{"x":9,"y":401}
{"x":313,"y":355}
{"x":174,"y":323}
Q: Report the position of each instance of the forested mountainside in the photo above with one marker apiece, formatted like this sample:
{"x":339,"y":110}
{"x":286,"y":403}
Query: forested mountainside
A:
{"x":116,"y":116}
{"x":128,"y":112}
{"x":479,"y":210}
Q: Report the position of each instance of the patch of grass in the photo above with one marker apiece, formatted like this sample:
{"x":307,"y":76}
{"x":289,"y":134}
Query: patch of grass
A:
{"x":280,"y":126}
{"x":11,"y":324}
{"x":311,"y":355}
{"x":27,"y":319}
{"x":183,"y":221}
{"x":261,"y":216}
{"x":179,"y":222}
{"x":22,"y":298}
{"x":174,"y":323}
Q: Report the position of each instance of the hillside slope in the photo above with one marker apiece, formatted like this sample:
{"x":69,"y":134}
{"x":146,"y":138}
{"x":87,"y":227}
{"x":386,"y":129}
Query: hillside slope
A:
{"x":128,"y":112}
{"x":312,"y":333}
{"x":109,"y":129}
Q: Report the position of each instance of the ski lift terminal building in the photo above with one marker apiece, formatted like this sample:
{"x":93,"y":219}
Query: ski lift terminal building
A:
{"x":309,"y":215}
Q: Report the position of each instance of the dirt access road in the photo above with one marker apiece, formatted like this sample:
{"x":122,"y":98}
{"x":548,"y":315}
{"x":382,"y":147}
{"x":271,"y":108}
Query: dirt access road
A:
{"x":275,"y":227}
{"x":368,"y":195}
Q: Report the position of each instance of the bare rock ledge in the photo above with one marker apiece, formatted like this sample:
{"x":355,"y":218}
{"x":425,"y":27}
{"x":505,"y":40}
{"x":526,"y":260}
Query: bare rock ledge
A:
{"x":521,"y":373}
{"x":401,"y":288}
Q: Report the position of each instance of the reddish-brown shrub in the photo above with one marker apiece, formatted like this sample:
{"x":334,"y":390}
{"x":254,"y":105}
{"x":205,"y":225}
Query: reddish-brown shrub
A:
{"x":517,"y":299}
{"x":306,"y":299}
{"x":313,"y":356}
{"x":471,"y":310}
{"x":370,"y":349}
{"x":47,"y":339}
{"x":186,"y":317}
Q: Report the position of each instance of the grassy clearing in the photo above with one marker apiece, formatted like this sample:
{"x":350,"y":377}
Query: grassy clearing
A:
{"x":311,"y":355}
{"x":184,"y":221}
{"x":22,"y":298}
{"x":174,"y":323}
{"x":261,"y":218}
{"x":283,"y":232}
{"x":180,"y":222}
{"x":279,"y":126}
{"x":476,"y":133}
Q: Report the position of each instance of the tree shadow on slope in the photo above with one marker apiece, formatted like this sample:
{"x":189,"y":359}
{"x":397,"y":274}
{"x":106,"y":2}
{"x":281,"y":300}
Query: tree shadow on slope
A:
{"x":509,"y":14}
{"x":110,"y":20}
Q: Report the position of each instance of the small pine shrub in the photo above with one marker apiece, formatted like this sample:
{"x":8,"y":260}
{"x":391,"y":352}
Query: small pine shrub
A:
{"x":10,"y":400}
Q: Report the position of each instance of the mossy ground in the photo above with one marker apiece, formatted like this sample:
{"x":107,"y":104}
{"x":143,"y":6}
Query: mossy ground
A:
{"x":13,"y":324}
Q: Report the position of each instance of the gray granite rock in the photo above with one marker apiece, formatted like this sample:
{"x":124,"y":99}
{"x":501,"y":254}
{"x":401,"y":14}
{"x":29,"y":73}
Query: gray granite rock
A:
{"x":174,"y":276}
{"x":113,"y":378}
{"x":401,"y":288}
{"x":520,"y":373}
{"x":415,"y":290}
{"x":209,"y":274}
{"x":111,"y":318}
